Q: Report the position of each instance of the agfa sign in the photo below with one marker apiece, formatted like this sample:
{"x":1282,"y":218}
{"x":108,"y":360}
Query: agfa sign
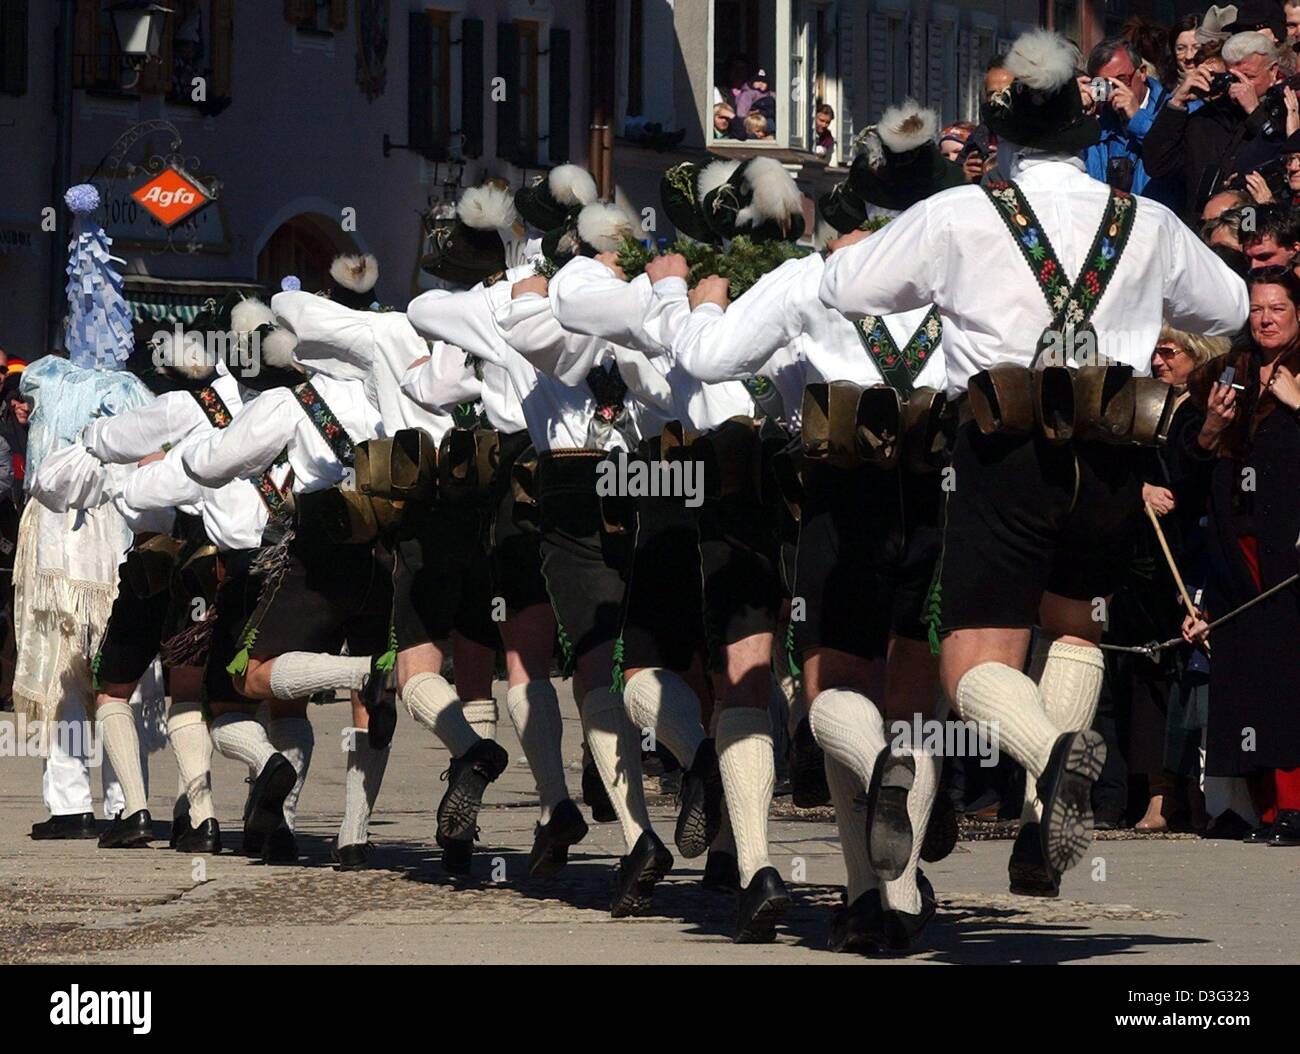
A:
{"x":171,"y":196}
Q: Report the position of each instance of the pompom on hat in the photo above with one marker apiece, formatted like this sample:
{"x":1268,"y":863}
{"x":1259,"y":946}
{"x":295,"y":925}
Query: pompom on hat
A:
{"x":99,"y":334}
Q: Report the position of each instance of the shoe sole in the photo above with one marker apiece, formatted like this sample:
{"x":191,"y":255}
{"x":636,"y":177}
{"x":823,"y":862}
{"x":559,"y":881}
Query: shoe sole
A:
{"x":761,"y":928}
{"x":81,"y":836}
{"x":692,"y":832}
{"x":553,"y":857}
{"x":889,"y":828}
{"x":458,"y":811}
{"x":212,"y":848}
{"x":1067,"y":813}
{"x":941,"y":834}
{"x":636,"y":901}
{"x":266,"y":815}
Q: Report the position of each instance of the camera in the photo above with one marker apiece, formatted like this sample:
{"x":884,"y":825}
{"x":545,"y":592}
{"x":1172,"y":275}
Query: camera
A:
{"x":1100,"y":89}
{"x":1219,"y":84}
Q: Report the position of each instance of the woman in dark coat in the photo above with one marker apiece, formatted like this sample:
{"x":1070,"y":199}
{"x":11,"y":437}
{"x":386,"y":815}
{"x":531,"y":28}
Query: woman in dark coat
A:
{"x":1252,"y":437}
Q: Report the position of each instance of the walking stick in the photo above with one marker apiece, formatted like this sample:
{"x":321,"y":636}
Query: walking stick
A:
{"x":1173,"y":567}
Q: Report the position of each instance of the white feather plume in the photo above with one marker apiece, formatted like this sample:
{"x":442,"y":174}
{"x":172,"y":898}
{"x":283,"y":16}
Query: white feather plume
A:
{"x":248,"y":314}
{"x":906,"y":126}
{"x":1042,"y":60}
{"x":775,"y":194}
{"x":488,"y":207}
{"x":713,"y":175}
{"x":277,"y":349}
{"x":189,"y":357}
{"x":358,"y":273}
{"x":571,"y":185}
{"x":604,"y":226}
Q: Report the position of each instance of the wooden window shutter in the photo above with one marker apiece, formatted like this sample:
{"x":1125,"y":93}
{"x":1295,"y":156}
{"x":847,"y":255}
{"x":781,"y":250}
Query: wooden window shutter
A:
{"x":83,"y":44}
{"x":419,"y":99}
{"x":13,"y":47}
{"x":508,"y":111}
{"x":338,"y":15}
{"x":878,"y":61}
{"x":223,"y":47}
{"x":471,"y":87}
{"x":559,"y":88}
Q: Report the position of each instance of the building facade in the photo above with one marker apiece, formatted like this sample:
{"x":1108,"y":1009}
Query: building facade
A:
{"x":338,"y":125}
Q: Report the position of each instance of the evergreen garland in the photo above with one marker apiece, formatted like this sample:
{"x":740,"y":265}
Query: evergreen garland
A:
{"x":743,"y":263}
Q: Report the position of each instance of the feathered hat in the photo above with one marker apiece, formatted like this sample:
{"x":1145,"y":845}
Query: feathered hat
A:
{"x":600,"y":227}
{"x":473,"y":246}
{"x":261,"y":354}
{"x":897,"y":165}
{"x":550,"y":198}
{"x":1041,"y":108}
{"x":757,"y":198}
{"x":353,"y":279}
{"x":99,"y":334}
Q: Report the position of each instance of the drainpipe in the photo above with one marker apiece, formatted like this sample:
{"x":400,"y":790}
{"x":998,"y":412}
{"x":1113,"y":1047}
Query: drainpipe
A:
{"x":61,"y":171}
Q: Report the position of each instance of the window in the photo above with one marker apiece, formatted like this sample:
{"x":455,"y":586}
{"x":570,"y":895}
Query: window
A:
{"x":317,"y":16}
{"x":888,"y":60}
{"x":518,"y":120}
{"x":527,"y":92}
{"x":13,"y":46}
{"x":635,"y":57}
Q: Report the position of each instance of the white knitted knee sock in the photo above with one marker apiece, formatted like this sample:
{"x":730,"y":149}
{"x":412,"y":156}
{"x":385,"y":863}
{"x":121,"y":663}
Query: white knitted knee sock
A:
{"x":535,"y":712}
{"x":849,"y":728}
{"x":1069,"y":687}
{"x":365,"y":774}
{"x":299,"y":674}
{"x":1008,"y":704}
{"x":902,"y":894}
{"x":433,"y":702}
{"x":660,"y":701}
{"x":295,"y":739}
{"x":240,"y":737}
{"x":848,"y":796}
{"x":192,"y":746}
{"x":616,"y":749}
{"x":745,"y":758}
{"x":122,"y":745}
{"x":481,"y":716}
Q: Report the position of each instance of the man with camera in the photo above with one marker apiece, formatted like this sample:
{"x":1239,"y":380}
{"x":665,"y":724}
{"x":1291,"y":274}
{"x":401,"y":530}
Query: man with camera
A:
{"x":1125,"y":101}
{"x":1240,"y":127}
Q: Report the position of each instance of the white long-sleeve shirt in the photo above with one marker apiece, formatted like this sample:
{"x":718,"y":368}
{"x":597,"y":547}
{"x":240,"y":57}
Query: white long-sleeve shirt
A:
{"x":275,"y":422}
{"x":167,"y":420}
{"x":954,"y":250}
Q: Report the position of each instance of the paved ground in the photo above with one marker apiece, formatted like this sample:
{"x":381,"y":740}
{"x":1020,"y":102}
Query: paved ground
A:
{"x":1138,"y":900}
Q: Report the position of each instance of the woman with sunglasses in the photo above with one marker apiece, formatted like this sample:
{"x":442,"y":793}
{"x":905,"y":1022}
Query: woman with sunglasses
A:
{"x":1250,"y":443}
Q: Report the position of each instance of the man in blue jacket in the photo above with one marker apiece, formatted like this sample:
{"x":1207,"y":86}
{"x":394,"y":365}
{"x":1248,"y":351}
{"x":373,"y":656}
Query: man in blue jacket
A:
{"x":1126,"y":114}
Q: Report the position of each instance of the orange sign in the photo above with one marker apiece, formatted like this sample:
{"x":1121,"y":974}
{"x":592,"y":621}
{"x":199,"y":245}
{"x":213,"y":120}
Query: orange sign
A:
{"x":171,"y":196}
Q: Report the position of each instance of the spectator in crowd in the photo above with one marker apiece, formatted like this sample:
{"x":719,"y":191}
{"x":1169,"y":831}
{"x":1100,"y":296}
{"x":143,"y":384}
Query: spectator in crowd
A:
{"x":723,"y":116}
{"x":1152,"y":42}
{"x":1184,"y":47}
{"x":737,"y":67}
{"x":1273,"y":240}
{"x":1291,"y":161}
{"x":757,"y":97}
{"x":14,"y":411}
{"x":1260,"y":16}
{"x":1254,"y":434}
{"x":1291,"y":13}
{"x":1125,"y":115}
{"x":823,"y":137}
{"x":756,"y":126}
{"x":1231,"y":133}
{"x":996,"y":77}
{"x":955,"y":143}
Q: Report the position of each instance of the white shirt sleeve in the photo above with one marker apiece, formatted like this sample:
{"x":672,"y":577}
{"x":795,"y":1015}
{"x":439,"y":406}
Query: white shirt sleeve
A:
{"x":1202,"y":293}
{"x":587,"y":297}
{"x":894,"y":270}
{"x":462,"y":319}
{"x":128,"y":437}
{"x":249,"y":445}
{"x":319,"y":320}
{"x":669,"y":308}
{"x":529,"y":326}
{"x":442,"y":382}
{"x":71,"y":478}
{"x":646,"y":384}
{"x":162,"y":484}
{"x":713,"y":345}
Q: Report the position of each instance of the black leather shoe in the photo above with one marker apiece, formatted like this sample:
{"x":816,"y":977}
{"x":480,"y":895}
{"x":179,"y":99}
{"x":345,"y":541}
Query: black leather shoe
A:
{"x":551,"y":841}
{"x":902,"y":928}
{"x":762,"y":904}
{"x":807,"y":765}
{"x":456,"y":854}
{"x":594,"y":795}
{"x":1286,"y":832}
{"x":252,"y":843}
{"x":700,"y":814}
{"x":634,"y":882}
{"x":205,"y":838}
{"x":1229,"y":825}
{"x":941,"y":831}
{"x":1030,"y":876}
{"x":721,"y":872}
{"x":355,"y":857}
{"x":858,"y":927}
{"x":180,"y":821}
{"x":1107,"y":819}
{"x":264,"y":809}
{"x":128,"y":832}
{"x":1065,"y":789}
{"x":75,"y":825}
{"x":380,"y":706}
{"x":889,"y":828}
{"x":281,"y":847}
{"x":467,"y":779}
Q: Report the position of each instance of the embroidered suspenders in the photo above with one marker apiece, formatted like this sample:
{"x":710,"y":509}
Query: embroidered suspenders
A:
{"x":213,"y":406}
{"x":329,"y":428}
{"x":900,"y":366}
{"x":1072,"y":305}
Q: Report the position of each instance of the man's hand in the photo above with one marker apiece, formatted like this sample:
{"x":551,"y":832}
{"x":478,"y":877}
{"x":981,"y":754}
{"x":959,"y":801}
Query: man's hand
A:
{"x":536,"y":284}
{"x":610,"y":260}
{"x":1285,"y":387}
{"x":973,"y":168}
{"x":670,"y":265}
{"x":1257,"y":187}
{"x":1159,"y":498}
{"x":1123,"y":100}
{"x":149,"y":459}
{"x":1196,"y":81}
{"x":1243,"y":93}
{"x":845,"y":240}
{"x":1195,"y":630}
{"x":711,"y":290}
{"x":1085,"y":94}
